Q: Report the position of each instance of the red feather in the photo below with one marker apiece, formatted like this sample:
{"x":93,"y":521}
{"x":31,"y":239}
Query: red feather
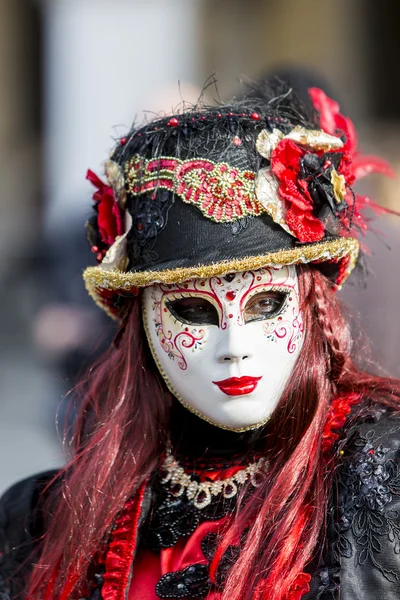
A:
{"x":327,"y":109}
{"x":354,"y":166}
{"x":364,"y":165}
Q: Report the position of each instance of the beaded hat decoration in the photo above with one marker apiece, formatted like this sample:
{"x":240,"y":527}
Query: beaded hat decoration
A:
{"x":214,"y":190}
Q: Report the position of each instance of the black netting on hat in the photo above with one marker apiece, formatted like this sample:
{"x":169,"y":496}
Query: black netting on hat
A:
{"x":222,"y":134}
{"x":210,"y":131}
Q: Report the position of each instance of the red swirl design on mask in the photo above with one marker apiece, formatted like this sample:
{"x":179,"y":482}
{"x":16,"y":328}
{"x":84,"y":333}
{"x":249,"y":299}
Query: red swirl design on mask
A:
{"x":173,"y":345}
{"x":293,"y":329}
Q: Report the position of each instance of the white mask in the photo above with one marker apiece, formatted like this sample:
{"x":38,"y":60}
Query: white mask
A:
{"x":226,"y":346}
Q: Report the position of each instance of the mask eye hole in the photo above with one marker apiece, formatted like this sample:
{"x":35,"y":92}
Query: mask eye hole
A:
{"x":265,"y":305}
{"x":193,"y":311}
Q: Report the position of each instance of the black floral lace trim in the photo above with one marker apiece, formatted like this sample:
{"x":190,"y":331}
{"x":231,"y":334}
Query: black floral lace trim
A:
{"x":329,"y":582}
{"x":193,"y":581}
{"x":368,"y":482}
{"x":149,"y":217}
{"x":174,"y":517}
{"x":238,"y":226}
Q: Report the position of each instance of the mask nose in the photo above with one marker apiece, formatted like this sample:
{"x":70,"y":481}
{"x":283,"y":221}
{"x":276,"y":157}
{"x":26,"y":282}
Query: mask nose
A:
{"x":234,"y":348}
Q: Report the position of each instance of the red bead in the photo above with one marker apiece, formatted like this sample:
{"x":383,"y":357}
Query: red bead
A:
{"x":327,"y":164}
{"x":203,"y":118}
{"x":219,"y":115}
{"x":230,"y":296}
{"x":255,"y":116}
{"x":193,"y":119}
{"x":123,"y":141}
{"x":173,"y":122}
{"x":94,"y":249}
{"x":231,"y":114}
{"x":237,"y":141}
{"x":230,"y":316}
{"x":99,"y":256}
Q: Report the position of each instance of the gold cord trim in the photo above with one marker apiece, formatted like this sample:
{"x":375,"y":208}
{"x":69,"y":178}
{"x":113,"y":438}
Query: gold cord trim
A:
{"x":98,"y":279}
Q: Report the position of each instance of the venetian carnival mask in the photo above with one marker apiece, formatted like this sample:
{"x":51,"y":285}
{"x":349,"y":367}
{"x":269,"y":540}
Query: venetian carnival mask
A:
{"x":245,"y":189}
{"x":226,"y":346}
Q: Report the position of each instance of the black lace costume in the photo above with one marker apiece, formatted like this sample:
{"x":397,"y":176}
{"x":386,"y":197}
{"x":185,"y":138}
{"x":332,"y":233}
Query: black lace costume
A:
{"x":361,"y":549}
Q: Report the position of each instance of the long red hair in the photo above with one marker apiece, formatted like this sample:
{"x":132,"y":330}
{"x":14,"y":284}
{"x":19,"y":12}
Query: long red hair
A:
{"x":122,"y":430}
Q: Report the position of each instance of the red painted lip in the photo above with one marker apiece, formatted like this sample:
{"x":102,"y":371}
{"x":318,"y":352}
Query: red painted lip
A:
{"x":238,"y":386}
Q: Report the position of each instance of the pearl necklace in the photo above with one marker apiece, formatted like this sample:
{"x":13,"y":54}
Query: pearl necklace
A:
{"x":181,"y":483}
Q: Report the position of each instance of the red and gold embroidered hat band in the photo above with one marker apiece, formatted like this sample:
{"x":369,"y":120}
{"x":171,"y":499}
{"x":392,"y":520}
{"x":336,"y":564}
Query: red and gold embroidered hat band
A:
{"x":262,"y":182}
{"x":221,"y":192}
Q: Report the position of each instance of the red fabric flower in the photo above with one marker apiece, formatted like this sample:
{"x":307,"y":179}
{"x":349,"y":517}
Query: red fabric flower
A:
{"x":353,"y":165}
{"x":299,"y":587}
{"x":109,"y":218}
{"x":285,"y":164}
{"x":286,"y":160}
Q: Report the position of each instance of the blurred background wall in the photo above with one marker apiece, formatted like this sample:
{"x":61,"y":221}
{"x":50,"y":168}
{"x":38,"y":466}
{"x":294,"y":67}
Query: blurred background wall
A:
{"x":75,"y":73}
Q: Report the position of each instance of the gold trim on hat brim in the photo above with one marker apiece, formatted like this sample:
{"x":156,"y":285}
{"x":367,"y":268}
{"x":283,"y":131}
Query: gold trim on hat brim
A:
{"x":98,"y":278}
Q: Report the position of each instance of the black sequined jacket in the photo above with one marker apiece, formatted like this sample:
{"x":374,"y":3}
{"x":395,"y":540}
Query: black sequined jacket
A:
{"x":361,"y":548}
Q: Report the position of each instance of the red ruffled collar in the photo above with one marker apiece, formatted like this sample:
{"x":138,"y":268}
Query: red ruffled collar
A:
{"x":122,"y":548}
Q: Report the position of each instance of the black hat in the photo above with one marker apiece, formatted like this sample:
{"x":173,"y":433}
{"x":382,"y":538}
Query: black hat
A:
{"x":212,"y":190}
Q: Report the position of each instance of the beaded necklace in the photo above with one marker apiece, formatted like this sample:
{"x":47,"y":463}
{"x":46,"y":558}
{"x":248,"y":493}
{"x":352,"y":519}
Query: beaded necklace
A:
{"x":201,"y":493}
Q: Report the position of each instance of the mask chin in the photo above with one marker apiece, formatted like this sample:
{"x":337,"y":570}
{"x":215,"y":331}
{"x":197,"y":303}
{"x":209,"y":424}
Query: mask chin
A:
{"x":226,"y":347}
